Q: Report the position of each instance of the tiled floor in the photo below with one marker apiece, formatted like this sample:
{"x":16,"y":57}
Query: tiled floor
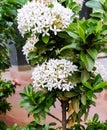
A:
{"x":19,"y":115}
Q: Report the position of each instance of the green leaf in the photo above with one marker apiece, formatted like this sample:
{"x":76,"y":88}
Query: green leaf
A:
{"x":89,"y":95}
{"x":97,"y":80}
{"x":95,"y":118}
{"x":38,"y":110}
{"x":87,"y":60}
{"x":97,"y":15}
{"x":99,"y":27}
{"x":72,"y":34}
{"x":93,"y":53}
{"x":94,"y":4}
{"x":88,"y":85}
{"x":17,"y":1}
{"x":40,"y":118}
{"x":24,"y":96}
{"x":46,"y":127}
{"x":25,"y":103}
{"x":90,"y":63}
{"x":30,"y":109}
{"x":100,"y":85}
{"x":71,"y":46}
{"x":83,"y":99}
{"x":45,"y":39}
{"x":81,"y":33}
{"x":31,"y":55}
{"x":84,"y":75}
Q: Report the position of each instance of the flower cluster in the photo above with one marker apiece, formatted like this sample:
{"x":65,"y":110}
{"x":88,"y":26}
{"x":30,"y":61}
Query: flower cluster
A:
{"x":37,"y":17}
{"x":29,"y":46}
{"x":100,"y":70}
{"x":54,"y":75}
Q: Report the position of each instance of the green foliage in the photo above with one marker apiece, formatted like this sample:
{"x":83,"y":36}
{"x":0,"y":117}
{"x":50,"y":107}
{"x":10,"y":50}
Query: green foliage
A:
{"x":8,"y":32}
{"x":4,"y":59}
{"x":32,"y":126}
{"x":2,"y":125}
{"x":95,"y":123}
{"x":6,"y":90}
{"x":37,"y":103}
{"x":8,"y":13}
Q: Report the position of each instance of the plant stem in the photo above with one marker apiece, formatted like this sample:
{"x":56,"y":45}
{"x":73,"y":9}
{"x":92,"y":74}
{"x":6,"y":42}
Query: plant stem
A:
{"x":55,"y":117}
{"x":63,"y":104}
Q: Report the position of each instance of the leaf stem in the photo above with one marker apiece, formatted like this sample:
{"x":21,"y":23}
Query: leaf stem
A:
{"x":55,"y":117}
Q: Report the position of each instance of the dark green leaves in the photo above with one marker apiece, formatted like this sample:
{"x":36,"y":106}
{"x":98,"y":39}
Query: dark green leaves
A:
{"x":37,"y":103}
{"x":6,"y":90}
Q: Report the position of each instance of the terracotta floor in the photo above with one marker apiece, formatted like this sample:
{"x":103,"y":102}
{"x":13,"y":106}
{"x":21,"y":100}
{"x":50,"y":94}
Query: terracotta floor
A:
{"x":19,"y":115}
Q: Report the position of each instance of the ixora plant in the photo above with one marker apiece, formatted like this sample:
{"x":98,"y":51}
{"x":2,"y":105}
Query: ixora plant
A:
{"x":64,"y":49}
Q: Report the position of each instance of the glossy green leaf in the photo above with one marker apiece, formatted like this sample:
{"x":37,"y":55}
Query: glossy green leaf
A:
{"x":88,"y":85}
{"x":89,"y":95}
{"x":100,"y":85}
{"x":87,"y":60}
{"x":97,"y":80}
{"x":90,"y":63}
{"x":73,"y":35}
{"x":93,"y":53}
{"x":81,"y":33}
{"x":99,"y":26}
{"x":95,"y":118}
{"x":71,"y":46}
{"x":45,"y":39}
{"x":30,"y":109}
{"x":25,"y":103}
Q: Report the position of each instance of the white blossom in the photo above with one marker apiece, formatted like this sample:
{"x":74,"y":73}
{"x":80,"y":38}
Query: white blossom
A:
{"x":100,"y":69}
{"x":61,"y":17}
{"x":29,"y":46}
{"x":37,"y":17}
{"x":53,"y":75}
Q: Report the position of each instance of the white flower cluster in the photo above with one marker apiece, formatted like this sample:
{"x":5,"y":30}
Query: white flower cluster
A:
{"x":29,"y":46}
{"x":100,"y":70}
{"x":38,"y":17}
{"x":53,"y":75}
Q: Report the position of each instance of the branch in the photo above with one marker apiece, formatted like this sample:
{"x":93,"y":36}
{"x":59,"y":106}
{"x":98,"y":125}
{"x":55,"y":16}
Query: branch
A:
{"x":55,"y":117}
{"x":101,"y":57}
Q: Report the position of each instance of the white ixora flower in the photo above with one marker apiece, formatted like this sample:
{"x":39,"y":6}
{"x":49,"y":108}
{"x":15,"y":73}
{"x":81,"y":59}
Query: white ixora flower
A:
{"x":29,"y":46}
{"x":37,"y":17}
{"x":100,"y":69}
{"x":53,"y":75}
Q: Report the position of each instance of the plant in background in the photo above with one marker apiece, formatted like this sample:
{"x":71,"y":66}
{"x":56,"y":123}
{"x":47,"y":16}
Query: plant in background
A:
{"x":8,"y":11}
{"x":64,"y":50}
{"x":8,"y":35}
